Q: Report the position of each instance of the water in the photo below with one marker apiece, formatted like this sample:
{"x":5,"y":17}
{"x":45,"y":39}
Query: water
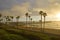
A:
{"x":52,"y":25}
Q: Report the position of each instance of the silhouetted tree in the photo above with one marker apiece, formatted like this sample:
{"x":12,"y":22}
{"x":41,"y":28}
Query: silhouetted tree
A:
{"x":41,"y":13}
{"x":17,"y":18}
{"x":8,"y":19}
{"x":5,"y":19}
{"x":44,"y":15}
{"x":0,"y":17}
{"x":11,"y":18}
{"x":29,"y":18}
{"x":31,"y":21}
{"x":26,"y":18}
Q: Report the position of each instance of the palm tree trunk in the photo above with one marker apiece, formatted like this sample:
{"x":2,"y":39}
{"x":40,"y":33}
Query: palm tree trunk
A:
{"x":17,"y":24}
{"x":26,"y":21}
{"x":31,"y":25}
{"x":29,"y":19}
{"x":44,"y":24}
{"x":6,"y":21}
{"x":41,"y":22}
{"x":29,"y":22}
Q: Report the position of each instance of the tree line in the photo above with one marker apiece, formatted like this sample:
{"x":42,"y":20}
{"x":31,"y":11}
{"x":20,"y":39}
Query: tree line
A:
{"x":10,"y":18}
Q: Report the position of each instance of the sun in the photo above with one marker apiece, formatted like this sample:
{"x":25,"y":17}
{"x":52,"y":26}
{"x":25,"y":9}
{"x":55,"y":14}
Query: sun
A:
{"x":58,"y":15}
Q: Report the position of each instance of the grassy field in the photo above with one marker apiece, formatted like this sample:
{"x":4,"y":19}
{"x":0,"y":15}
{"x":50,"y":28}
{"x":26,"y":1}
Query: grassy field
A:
{"x":8,"y":33}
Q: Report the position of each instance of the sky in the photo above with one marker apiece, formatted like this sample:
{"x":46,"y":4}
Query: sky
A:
{"x":20,"y":7}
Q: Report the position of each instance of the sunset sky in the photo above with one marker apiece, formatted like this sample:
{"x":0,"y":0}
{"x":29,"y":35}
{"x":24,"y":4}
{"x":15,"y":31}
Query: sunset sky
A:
{"x":20,"y":7}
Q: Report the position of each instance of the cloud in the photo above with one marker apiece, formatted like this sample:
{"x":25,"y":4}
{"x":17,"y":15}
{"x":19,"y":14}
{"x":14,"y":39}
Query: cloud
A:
{"x":17,"y":9}
{"x":51,"y":1}
{"x":20,"y":7}
{"x":6,"y":4}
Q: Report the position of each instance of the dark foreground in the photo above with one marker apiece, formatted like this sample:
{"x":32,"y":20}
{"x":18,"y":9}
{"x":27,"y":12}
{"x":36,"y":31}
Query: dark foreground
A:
{"x":9,"y":33}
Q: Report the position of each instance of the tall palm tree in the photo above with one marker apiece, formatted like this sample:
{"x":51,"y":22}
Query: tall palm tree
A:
{"x":29,"y":17}
{"x":0,"y":17}
{"x":31,"y":21}
{"x":41,"y":13}
{"x":26,"y":18}
{"x":17,"y":18}
{"x":6,"y":17}
{"x":44,"y":15}
{"x":11,"y":18}
{"x":1,"y":20}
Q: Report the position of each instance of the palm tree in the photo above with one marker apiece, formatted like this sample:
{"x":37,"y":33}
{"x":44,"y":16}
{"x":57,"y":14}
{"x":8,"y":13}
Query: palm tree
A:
{"x":1,"y":20}
{"x":26,"y":18}
{"x":11,"y":18}
{"x":44,"y":15}
{"x":8,"y":18}
{"x":0,"y":17}
{"x":5,"y":19}
{"x":31,"y":21}
{"x":29,"y":18}
{"x":17,"y":18}
{"x":41,"y":13}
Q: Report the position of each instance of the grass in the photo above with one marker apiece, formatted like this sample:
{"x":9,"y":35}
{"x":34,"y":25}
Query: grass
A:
{"x":20,"y":34}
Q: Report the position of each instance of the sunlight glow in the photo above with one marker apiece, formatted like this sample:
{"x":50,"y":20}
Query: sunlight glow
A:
{"x":58,"y":15}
